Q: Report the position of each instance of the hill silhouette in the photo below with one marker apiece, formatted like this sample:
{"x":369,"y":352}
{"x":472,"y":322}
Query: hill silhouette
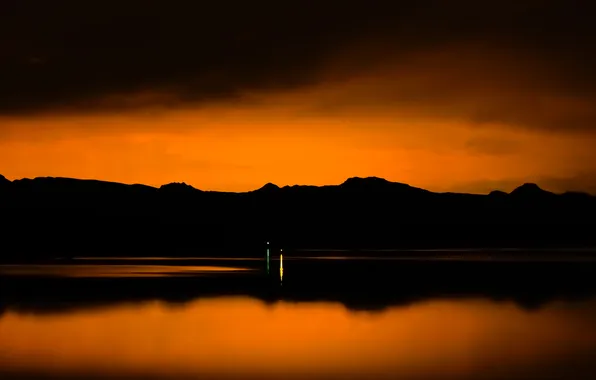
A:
{"x":64,"y":216}
{"x":4,"y":181}
{"x":530,"y":191}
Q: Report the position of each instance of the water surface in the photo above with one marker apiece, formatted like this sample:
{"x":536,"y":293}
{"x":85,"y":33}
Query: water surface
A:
{"x":330,"y":319}
{"x":243,"y":337}
{"x":107,"y":270}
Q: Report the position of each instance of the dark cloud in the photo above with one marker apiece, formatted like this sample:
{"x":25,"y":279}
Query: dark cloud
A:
{"x":69,"y":53}
{"x":88,"y":55}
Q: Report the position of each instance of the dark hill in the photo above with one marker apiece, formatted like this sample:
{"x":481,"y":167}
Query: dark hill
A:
{"x":375,"y":184}
{"x":498,"y":193}
{"x":530,"y":191}
{"x":270,"y":187}
{"x":57,"y":216}
{"x":178,"y":188}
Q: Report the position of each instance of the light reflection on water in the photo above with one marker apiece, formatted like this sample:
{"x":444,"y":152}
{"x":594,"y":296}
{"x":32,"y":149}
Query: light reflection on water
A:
{"x":107,"y":270}
{"x":243,"y":337}
{"x":151,"y":258}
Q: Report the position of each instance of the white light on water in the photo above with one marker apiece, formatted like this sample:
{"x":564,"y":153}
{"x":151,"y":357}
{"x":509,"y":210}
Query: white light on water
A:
{"x":267,"y":260}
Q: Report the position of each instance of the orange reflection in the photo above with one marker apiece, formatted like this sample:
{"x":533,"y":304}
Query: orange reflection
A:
{"x":112,"y":270}
{"x":239,"y":337}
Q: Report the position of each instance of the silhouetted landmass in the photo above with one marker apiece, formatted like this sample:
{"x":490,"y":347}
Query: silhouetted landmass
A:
{"x":4,"y":182}
{"x":59,"y":216}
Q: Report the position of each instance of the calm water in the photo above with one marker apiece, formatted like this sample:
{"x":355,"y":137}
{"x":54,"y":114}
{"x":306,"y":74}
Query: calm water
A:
{"x":95,"y":321}
{"x":106,"y":270}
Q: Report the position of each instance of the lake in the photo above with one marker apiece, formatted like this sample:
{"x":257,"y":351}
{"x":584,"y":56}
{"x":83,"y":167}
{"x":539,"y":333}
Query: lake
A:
{"x":325,"y":319}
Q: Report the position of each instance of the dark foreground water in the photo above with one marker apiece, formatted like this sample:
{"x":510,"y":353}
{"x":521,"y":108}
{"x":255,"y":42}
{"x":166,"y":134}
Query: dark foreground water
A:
{"x":353,"y":319}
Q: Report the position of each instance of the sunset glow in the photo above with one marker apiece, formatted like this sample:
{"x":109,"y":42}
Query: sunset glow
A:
{"x":232,"y":337}
{"x":241,"y":151}
{"x":442,"y":96}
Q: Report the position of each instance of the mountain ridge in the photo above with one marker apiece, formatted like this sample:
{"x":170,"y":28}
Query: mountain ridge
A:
{"x":354,"y":183}
{"x":49,"y":216}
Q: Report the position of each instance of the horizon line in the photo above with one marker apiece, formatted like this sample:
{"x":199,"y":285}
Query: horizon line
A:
{"x":269,"y":184}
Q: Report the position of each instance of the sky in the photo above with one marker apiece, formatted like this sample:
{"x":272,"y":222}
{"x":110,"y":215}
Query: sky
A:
{"x":456,"y":95}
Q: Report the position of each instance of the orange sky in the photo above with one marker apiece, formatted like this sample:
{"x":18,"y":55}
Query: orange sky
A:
{"x":458,"y":113}
{"x":283,"y":138}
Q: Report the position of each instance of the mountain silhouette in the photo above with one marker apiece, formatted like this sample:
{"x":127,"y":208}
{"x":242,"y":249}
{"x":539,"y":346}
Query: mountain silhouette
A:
{"x":375,"y":184}
{"x":497,"y":193}
{"x":65,"y":216}
{"x":178,"y":188}
{"x":269,"y":187}
{"x":3,"y":181}
{"x":530,"y":190}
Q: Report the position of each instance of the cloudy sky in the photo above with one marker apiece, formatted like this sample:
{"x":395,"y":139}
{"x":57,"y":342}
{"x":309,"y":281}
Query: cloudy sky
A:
{"x":228,"y":95}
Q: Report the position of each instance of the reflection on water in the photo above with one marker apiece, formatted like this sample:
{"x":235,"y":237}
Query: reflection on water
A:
{"x":243,"y":337}
{"x":156,"y":258}
{"x":371,"y":319}
{"x":112,"y":270}
{"x":268,"y":260}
